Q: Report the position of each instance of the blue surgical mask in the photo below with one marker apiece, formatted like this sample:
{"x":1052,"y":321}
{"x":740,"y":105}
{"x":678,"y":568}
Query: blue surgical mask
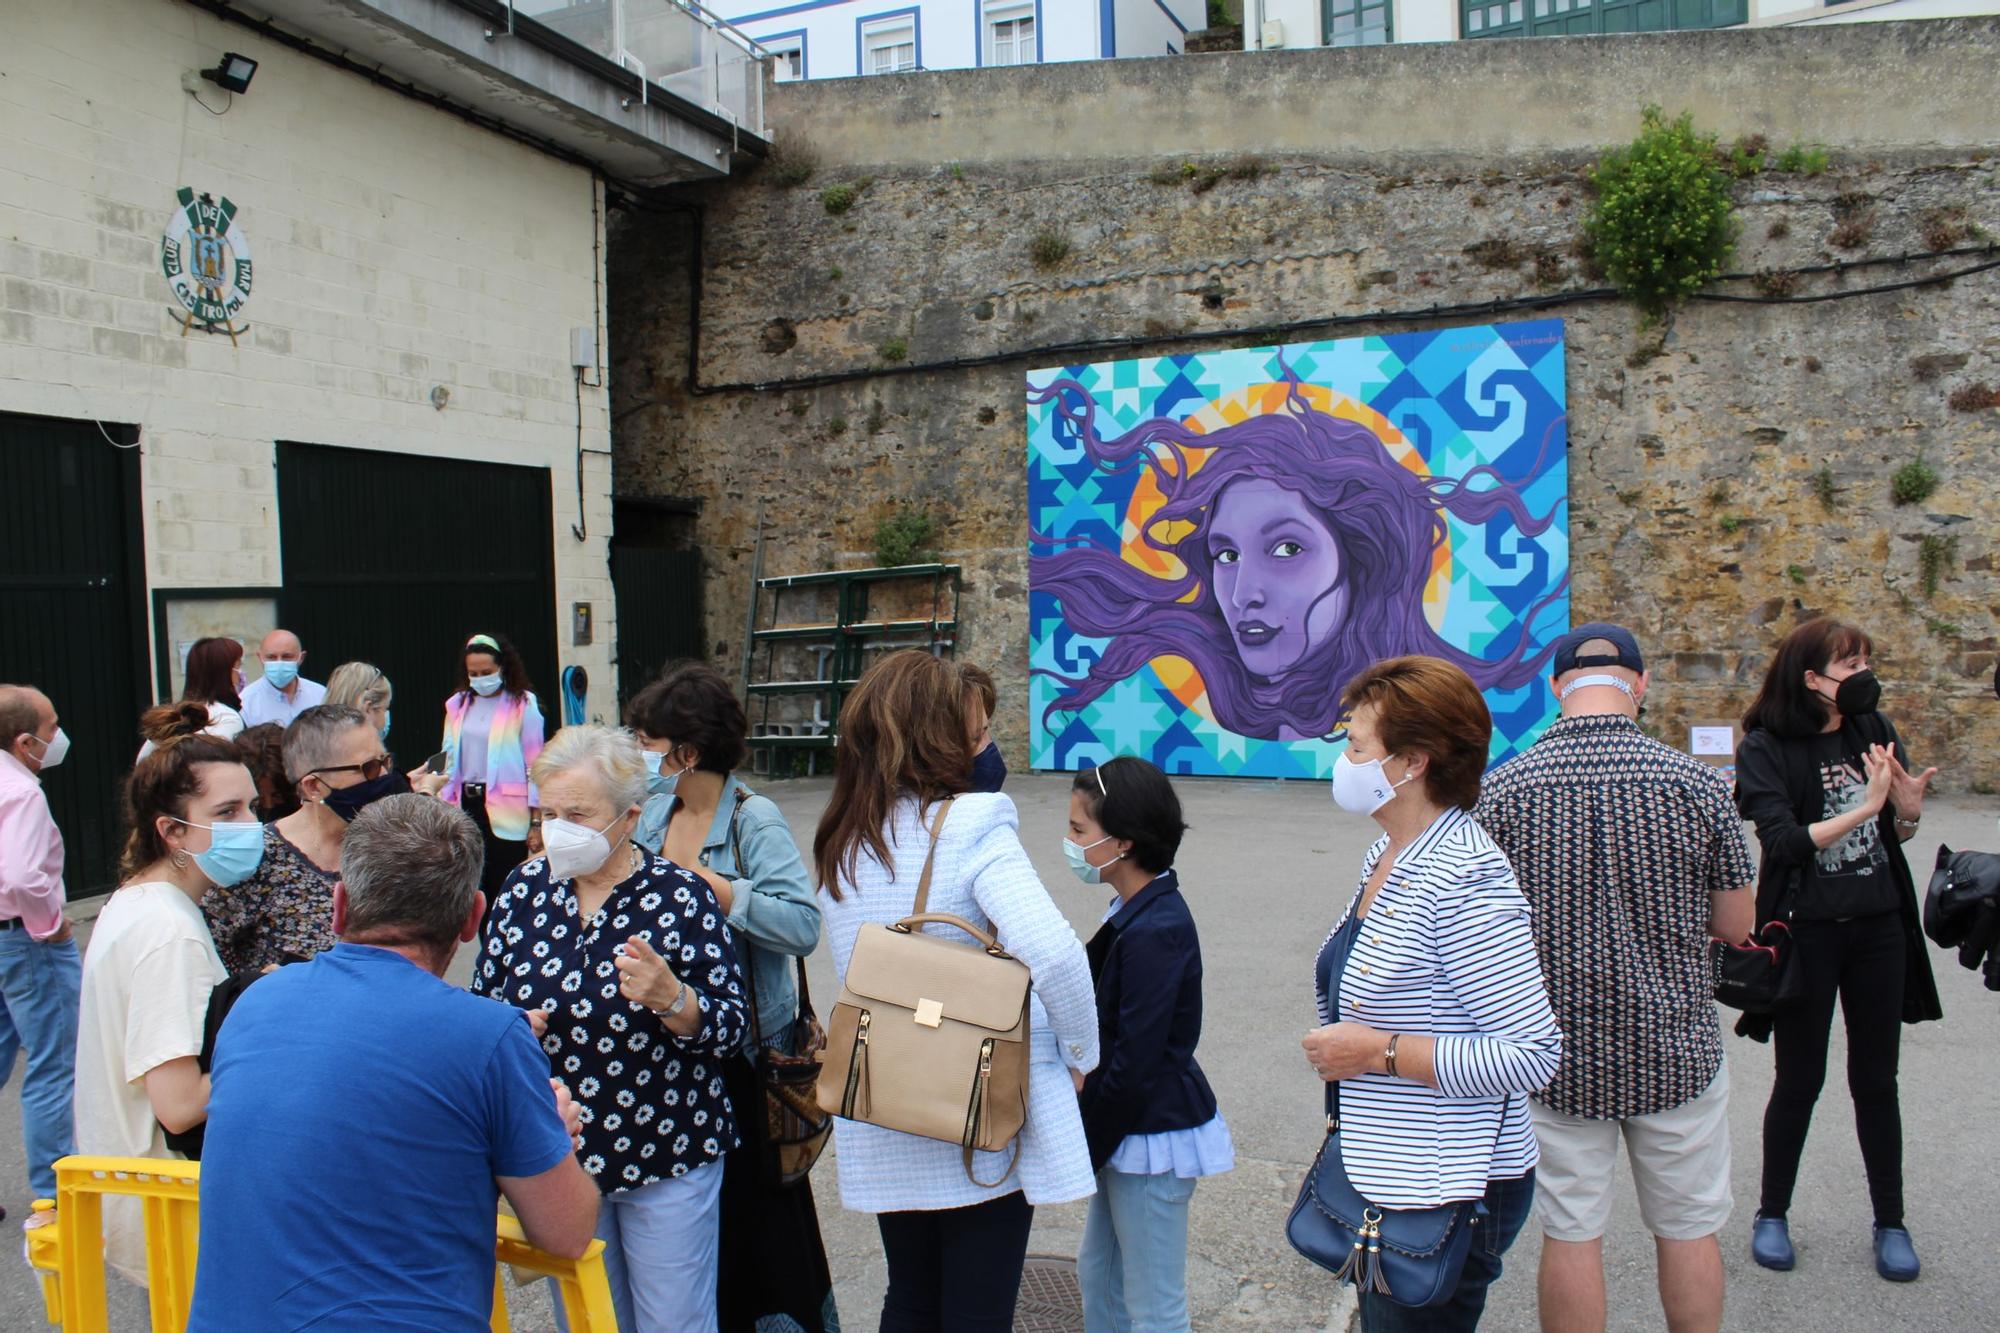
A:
{"x":234,"y":852}
{"x":1085,"y":871}
{"x":281,"y":674}
{"x":486,"y":686}
{"x":386,"y":715}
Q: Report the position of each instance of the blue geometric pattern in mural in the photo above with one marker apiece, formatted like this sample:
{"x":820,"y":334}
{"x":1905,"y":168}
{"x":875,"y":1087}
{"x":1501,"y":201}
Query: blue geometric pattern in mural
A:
{"x":1220,"y":541}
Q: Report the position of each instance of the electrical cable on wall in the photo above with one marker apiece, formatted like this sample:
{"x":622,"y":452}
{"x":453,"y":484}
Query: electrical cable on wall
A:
{"x":1093,"y":349}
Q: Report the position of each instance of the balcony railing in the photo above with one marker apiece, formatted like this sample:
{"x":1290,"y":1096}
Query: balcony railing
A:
{"x":676,"y":45}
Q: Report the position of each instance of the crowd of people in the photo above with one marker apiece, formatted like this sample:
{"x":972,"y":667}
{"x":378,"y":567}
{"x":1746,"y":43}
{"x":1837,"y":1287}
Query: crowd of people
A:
{"x":265,"y":989}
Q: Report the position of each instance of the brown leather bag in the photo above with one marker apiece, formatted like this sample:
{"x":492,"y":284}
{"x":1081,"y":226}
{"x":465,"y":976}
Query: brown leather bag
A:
{"x":930,"y":1037}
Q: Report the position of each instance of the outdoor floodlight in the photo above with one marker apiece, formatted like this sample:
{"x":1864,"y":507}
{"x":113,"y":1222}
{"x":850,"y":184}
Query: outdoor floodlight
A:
{"x":233,"y":73}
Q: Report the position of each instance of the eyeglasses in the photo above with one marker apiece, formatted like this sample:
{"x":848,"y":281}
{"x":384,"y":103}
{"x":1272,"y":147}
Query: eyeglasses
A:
{"x":369,"y":771}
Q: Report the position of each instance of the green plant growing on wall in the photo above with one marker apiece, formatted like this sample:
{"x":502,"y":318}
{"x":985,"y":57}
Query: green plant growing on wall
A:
{"x":837,"y":199}
{"x":904,"y":537}
{"x":1913,"y":482}
{"x":1048,"y":248}
{"x":1745,"y":157}
{"x":1630,"y":499}
{"x":1663,"y":223}
{"x":894,"y":349}
{"x":1944,"y":629}
{"x":1935,"y":557}
{"x":1797,"y":574}
{"x":1729,"y":523}
{"x":1218,"y":14}
{"x":1802,"y":160}
{"x":837,"y":427}
{"x":1824,"y":490}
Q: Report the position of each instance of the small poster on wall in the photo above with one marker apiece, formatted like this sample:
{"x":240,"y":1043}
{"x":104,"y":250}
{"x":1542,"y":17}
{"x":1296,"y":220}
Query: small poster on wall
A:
{"x":1220,"y":541}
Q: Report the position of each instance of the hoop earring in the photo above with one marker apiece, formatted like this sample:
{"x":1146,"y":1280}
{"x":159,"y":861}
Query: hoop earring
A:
{"x":179,"y":860}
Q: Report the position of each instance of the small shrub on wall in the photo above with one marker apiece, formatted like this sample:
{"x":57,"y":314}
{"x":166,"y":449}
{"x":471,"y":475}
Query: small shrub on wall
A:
{"x":1663,"y":224}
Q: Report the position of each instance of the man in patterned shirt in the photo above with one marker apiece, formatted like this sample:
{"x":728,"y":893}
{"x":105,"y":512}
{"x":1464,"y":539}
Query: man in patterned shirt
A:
{"x":1631,"y":854}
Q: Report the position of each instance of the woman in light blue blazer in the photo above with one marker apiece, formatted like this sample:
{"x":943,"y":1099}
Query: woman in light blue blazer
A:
{"x":1436,"y":1023}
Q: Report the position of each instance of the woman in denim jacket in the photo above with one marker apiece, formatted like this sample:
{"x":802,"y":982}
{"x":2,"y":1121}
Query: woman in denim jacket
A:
{"x":694,"y":733}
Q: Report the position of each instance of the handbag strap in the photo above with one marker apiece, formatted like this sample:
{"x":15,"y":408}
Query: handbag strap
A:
{"x":922,"y":905}
{"x":745,"y":947}
{"x":1333,"y":1114}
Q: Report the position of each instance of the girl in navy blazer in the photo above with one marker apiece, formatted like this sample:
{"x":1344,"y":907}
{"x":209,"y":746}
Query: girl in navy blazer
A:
{"x":1147,"y":1110}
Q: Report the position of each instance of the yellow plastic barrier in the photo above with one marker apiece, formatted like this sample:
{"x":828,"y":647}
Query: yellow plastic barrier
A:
{"x":69,"y":1254}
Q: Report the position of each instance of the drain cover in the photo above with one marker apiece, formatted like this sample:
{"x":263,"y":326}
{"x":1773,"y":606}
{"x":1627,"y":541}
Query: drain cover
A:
{"x":1050,"y":1301}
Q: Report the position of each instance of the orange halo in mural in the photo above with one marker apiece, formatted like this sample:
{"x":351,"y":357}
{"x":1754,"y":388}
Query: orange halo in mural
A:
{"x":1177,"y":673}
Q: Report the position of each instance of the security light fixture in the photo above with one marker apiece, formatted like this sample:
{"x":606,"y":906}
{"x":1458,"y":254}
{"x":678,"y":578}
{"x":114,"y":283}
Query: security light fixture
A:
{"x":233,"y":73}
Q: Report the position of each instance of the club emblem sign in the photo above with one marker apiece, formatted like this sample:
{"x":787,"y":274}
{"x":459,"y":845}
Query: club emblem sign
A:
{"x":206,"y":258}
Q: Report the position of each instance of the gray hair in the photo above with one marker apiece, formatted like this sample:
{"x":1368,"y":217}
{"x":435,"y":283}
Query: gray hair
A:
{"x":312,"y":736}
{"x":410,"y":865}
{"x":613,"y":752}
{"x":359,"y":685}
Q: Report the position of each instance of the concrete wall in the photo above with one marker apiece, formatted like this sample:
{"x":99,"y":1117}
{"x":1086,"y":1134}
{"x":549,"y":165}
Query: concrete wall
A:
{"x":1695,"y":456}
{"x":397,"y":249}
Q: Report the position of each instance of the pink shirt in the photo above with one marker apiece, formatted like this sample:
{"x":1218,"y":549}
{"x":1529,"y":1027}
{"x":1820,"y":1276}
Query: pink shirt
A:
{"x":31,"y":852}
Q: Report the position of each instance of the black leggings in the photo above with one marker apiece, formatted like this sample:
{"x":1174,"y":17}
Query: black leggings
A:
{"x":1862,"y":960}
{"x":957,"y":1270}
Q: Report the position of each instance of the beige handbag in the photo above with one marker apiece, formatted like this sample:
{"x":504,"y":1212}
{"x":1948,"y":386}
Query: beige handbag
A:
{"x":931,"y":1037}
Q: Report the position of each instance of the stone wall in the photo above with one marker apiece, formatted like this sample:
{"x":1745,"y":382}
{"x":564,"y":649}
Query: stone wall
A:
{"x":1729,"y":475}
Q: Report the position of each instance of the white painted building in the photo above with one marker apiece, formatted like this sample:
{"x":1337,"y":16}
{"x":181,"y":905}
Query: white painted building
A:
{"x":1297,"y":23}
{"x":831,"y":39}
{"x":389,"y":431}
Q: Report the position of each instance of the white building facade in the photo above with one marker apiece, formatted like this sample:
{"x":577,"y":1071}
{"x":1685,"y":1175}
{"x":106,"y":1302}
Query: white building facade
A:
{"x":388,"y":430}
{"x":1294,"y":23}
{"x":833,"y":39}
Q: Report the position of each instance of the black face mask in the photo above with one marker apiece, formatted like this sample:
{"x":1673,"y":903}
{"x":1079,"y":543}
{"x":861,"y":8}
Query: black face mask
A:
{"x":1858,"y":695}
{"x":989,"y":770}
{"x":347,"y":802}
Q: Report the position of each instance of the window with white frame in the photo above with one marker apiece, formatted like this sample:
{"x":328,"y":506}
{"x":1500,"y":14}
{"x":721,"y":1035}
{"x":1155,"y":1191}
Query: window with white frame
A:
{"x":788,"y":59}
{"x":1010,"y":33}
{"x":889,"y":48}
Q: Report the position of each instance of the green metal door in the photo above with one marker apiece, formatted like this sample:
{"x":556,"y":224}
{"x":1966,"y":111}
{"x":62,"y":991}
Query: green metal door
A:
{"x":398,"y":559}
{"x":659,"y":612}
{"x":72,"y":617}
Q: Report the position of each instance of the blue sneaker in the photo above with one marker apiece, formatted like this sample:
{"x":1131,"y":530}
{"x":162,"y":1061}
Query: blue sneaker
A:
{"x":1771,"y":1244}
{"x":1895,"y":1256}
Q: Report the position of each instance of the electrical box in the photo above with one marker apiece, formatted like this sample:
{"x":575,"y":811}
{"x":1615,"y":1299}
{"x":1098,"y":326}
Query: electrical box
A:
{"x":1274,"y":33}
{"x":579,"y":629}
{"x":582,"y":347}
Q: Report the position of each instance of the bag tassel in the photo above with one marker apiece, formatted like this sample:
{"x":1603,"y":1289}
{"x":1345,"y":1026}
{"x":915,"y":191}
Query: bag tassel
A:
{"x":1351,"y":1270}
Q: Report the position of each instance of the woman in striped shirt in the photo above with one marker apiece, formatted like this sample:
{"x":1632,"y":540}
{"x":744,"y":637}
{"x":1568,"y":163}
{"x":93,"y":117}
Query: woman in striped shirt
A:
{"x":1436,"y":1022}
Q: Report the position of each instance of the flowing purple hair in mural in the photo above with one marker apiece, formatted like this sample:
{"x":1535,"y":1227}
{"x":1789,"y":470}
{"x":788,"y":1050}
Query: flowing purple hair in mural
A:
{"x":1307,"y":560}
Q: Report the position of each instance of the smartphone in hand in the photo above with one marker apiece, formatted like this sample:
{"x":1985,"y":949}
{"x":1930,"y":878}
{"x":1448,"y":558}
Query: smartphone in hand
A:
{"x":436,"y":763}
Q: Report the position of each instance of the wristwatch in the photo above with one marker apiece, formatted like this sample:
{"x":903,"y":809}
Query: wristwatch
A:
{"x":680,"y":1002}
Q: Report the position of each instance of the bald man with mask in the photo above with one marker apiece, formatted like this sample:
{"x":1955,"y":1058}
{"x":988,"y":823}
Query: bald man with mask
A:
{"x":281,"y":693}
{"x":40,"y":972}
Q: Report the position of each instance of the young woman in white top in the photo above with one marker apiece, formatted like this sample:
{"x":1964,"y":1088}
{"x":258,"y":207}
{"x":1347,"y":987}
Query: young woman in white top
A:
{"x":955,"y":1248}
{"x":151,"y":963}
{"x":213,"y":678}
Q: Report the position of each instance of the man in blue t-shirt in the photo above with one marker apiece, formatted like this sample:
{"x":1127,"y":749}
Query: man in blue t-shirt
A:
{"x":365,"y":1116}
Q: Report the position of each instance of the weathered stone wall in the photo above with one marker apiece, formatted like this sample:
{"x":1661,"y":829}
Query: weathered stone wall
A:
{"x":1728,"y":476}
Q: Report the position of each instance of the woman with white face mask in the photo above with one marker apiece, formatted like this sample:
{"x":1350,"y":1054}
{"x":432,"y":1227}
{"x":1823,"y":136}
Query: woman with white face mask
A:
{"x":190,"y":806}
{"x":492,"y":732}
{"x":1436,"y":1024}
{"x":630,"y":966}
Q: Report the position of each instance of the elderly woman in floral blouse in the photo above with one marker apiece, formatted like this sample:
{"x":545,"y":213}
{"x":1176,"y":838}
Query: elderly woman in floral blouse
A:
{"x":626,"y":966}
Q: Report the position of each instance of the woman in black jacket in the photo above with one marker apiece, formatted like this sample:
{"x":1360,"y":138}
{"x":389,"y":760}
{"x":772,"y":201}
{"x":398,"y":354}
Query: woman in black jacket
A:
{"x":1825,"y":777}
{"x":1147,"y":1110}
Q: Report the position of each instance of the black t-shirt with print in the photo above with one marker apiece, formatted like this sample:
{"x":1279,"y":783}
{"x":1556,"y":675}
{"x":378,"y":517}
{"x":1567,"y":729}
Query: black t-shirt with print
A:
{"x":1852,"y":876}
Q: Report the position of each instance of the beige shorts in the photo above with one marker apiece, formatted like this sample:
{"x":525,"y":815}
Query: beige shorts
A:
{"x":1680,"y":1167}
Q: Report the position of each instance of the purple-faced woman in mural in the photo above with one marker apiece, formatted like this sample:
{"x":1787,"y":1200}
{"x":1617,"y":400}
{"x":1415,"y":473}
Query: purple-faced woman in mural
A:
{"x":1308,"y":550}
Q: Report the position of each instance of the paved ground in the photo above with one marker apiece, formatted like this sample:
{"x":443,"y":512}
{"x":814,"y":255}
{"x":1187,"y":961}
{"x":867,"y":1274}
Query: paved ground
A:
{"x":1267,"y":867}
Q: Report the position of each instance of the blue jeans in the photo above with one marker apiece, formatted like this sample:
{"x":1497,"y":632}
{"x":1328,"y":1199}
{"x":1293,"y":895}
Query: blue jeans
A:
{"x":661,"y":1247}
{"x":1508,"y":1202}
{"x":1133,"y":1263}
{"x":39,"y":989}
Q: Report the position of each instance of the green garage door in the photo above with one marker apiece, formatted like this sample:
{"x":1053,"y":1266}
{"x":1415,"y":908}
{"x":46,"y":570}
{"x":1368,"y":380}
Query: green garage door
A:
{"x":398,"y":559}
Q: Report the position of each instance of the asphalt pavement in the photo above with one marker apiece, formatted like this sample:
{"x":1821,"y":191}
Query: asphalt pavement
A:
{"x":1267,"y":867}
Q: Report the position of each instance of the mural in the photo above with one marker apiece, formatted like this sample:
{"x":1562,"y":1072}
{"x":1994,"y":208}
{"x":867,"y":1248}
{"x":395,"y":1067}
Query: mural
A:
{"x":1219,"y":541}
